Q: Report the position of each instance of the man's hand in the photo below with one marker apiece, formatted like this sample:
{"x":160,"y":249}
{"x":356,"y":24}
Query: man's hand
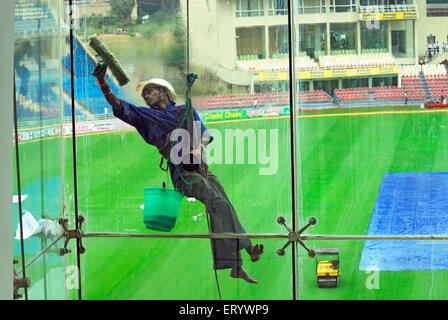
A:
{"x":113,"y":100}
{"x":100,"y":73}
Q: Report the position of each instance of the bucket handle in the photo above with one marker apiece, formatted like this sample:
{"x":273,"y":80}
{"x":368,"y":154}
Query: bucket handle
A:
{"x":161,"y":165}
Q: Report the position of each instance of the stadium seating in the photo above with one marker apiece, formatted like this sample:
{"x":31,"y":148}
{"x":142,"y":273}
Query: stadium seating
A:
{"x":413,"y":86}
{"x":356,"y":60}
{"x":260,"y":99}
{"x":388,"y":94}
{"x":391,"y":93}
{"x":318,"y":96}
{"x":416,"y":78}
{"x":352,"y":95}
{"x":277,"y":64}
{"x":437,"y":84}
{"x":304,"y":62}
{"x":436,"y":79}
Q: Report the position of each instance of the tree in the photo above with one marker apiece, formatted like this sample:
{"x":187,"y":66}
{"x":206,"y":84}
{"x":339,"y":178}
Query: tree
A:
{"x":175,"y":55}
{"x":151,"y":6}
{"x":121,"y":10}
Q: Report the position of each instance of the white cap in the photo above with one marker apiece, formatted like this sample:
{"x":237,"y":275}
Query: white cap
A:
{"x":160,"y":83}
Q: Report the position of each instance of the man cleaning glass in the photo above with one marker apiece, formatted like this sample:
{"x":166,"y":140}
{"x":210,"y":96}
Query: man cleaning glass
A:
{"x":156,"y":124}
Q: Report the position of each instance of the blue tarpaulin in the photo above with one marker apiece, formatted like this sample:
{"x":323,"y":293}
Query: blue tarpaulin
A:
{"x":409,"y":203}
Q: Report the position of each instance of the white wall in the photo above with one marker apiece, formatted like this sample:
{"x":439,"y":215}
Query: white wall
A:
{"x":437,"y":26}
{"x":6,"y":156}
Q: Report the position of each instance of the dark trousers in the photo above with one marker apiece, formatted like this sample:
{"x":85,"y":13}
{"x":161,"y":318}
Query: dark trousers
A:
{"x":223,"y":218}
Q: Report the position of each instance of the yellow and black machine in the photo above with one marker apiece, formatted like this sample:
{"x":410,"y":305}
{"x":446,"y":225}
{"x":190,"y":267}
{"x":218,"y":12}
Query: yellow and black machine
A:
{"x":327,"y":267}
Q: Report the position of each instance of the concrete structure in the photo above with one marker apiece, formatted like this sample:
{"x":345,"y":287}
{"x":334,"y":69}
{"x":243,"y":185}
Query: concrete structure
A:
{"x":223,"y":30}
{"x":428,"y":24}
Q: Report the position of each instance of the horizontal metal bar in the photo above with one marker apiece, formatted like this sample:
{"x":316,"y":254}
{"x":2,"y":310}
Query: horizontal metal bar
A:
{"x":243,"y":236}
{"x":266,"y":236}
{"x":187,"y":236}
{"x":373,"y":237}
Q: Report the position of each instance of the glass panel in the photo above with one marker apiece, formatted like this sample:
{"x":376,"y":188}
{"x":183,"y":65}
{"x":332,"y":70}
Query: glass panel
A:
{"x":360,"y":179}
{"x":278,"y":7}
{"x":247,"y":116}
{"x":367,"y":166}
{"x":343,"y":38}
{"x":374,"y":270}
{"x":342,"y":5}
{"x":311,"y":6}
{"x":278,"y":41}
{"x":273,"y":273}
{"x":402,"y":35}
{"x":249,"y":8}
{"x":249,"y":120}
{"x":38,"y":95}
{"x":250,"y":43}
{"x":374,"y":37}
{"x":148,"y":269}
{"x":313,"y":39}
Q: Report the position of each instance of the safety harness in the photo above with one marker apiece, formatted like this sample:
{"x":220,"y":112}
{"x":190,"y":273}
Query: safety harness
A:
{"x":193,"y":162}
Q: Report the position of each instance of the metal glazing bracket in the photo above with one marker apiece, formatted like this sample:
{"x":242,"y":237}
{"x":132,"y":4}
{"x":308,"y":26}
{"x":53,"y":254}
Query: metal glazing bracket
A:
{"x":294,"y":236}
{"x":71,"y":234}
{"x":19,"y":283}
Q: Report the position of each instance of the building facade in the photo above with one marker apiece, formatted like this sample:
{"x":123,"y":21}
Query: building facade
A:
{"x":258,"y":28}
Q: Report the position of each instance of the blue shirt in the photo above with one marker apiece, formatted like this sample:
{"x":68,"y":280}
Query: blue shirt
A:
{"x":155,"y":125}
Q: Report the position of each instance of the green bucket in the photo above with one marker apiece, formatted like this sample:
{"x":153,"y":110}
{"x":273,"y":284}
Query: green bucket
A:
{"x":161,"y":208}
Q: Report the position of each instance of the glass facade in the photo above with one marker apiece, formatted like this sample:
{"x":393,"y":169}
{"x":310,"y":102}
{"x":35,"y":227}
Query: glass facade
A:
{"x":334,"y":145}
{"x":402,"y":38}
{"x":313,"y":39}
{"x":278,"y":41}
{"x":40,"y":110}
{"x":385,"y":2}
{"x":250,"y":42}
{"x":278,"y":7}
{"x":342,"y":5}
{"x":311,"y":6}
{"x":374,"y":37}
{"x":250,"y":8}
{"x":343,"y":38}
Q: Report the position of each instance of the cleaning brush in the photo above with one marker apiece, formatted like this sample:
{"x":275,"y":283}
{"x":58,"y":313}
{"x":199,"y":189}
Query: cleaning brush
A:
{"x":108,"y":60}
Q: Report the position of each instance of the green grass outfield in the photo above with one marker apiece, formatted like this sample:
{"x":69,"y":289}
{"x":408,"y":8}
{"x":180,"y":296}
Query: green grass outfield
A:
{"x":343,"y":155}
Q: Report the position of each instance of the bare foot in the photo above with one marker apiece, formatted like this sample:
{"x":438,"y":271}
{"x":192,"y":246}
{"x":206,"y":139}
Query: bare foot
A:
{"x":255,"y":252}
{"x":242,"y":274}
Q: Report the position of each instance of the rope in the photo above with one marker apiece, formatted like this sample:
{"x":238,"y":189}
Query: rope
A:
{"x":187,"y":111}
{"x":213,"y":255}
{"x":188,"y":107}
{"x":19,"y":190}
